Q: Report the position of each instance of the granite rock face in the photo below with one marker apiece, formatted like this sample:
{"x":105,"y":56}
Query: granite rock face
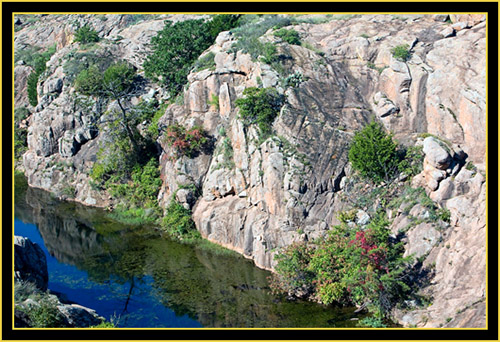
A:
{"x":259,"y":196}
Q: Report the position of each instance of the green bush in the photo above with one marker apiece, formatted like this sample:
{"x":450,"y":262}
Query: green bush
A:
{"x":290,"y":36}
{"x":293,"y":270}
{"x":103,"y":325}
{"x":178,"y":45}
{"x":39,"y":63}
{"x":260,"y":107}
{"x":205,"y":62}
{"x":412,"y":161}
{"x":372,"y":322}
{"x":350,"y":266}
{"x":24,"y":290}
{"x":178,"y":223}
{"x":214,"y":101}
{"x":114,"y":82}
{"x":401,"y":52}
{"x":226,"y":150}
{"x":249,"y":33}
{"x":444,"y":214}
{"x":186,"y":142}
{"x":20,"y":113}
{"x":20,"y":142}
{"x":32,"y":91}
{"x":293,"y":80}
{"x":374,"y":154}
{"x":86,"y":34}
{"x":45,"y":314}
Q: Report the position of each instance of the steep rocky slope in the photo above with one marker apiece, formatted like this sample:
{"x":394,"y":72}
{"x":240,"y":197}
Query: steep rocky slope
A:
{"x":288,"y":188}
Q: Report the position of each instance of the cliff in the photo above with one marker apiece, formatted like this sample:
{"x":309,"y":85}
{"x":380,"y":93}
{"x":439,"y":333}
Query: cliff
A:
{"x":257,"y":196}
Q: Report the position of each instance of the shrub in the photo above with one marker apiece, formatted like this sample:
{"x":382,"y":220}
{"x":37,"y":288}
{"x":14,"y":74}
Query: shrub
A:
{"x":372,"y":322}
{"x":444,"y":214}
{"x":412,"y":161}
{"x":290,"y":36}
{"x":214,"y":101}
{"x":185,"y":142}
{"x":293,"y":270}
{"x":45,"y":314}
{"x":401,"y":52}
{"x":20,"y":113}
{"x":223,"y":22}
{"x":39,"y":63}
{"x":20,"y":142}
{"x":373,"y":153}
{"x":24,"y":290}
{"x":103,"y":325}
{"x":153,"y":130}
{"x":178,"y":222}
{"x":86,"y":34}
{"x":293,"y":80}
{"x":79,"y":61}
{"x":261,"y":107}
{"x":32,"y":91}
{"x":89,"y":81}
{"x":249,"y":33}
{"x":226,"y":150}
{"x":205,"y":62}
{"x":350,"y":266}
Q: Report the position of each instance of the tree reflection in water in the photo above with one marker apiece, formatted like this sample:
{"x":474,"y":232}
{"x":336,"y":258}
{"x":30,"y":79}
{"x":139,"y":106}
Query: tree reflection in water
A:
{"x":216,"y":290}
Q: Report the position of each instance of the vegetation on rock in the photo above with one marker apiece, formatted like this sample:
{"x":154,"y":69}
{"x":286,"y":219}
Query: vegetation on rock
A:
{"x":375,"y":155}
{"x":260,"y":107}
{"x":38,"y":61}
{"x":401,"y":52}
{"x":86,"y":34}
{"x":177,"y":47}
{"x":178,"y":222}
{"x":290,"y":36}
{"x":353,"y":265}
{"x":186,"y":142}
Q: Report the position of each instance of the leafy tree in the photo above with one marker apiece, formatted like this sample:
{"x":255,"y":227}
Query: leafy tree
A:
{"x":178,"y":45}
{"x":116,"y":83}
{"x":374,"y":154}
{"x":86,"y":34}
{"x":175,"y":48}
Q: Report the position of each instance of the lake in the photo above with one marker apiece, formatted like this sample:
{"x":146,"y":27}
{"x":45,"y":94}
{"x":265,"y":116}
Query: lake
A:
{"x":136,"y":276}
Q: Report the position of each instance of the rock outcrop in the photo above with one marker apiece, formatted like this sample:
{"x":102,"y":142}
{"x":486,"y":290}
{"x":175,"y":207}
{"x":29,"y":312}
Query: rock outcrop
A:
{"x":30,"y":266}
{"x":259,"y":196}
{"x":30,"y":263}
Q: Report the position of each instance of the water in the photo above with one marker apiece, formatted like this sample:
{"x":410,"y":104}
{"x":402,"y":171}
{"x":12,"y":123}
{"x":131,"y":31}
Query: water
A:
{"x":137,"y":277}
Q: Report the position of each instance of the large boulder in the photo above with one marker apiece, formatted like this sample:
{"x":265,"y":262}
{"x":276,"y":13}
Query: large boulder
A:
{"x":436,"y":153}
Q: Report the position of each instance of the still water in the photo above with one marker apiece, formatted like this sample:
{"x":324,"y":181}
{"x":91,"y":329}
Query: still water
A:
{"x":137,"y":277}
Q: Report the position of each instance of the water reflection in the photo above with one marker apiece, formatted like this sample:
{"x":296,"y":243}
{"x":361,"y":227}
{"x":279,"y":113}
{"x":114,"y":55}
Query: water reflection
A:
{"x":215,"y":290}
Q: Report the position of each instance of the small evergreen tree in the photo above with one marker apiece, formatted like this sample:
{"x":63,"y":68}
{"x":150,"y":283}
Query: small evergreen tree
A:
{"x":86,"y":34}
{"x":374,"y":154}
